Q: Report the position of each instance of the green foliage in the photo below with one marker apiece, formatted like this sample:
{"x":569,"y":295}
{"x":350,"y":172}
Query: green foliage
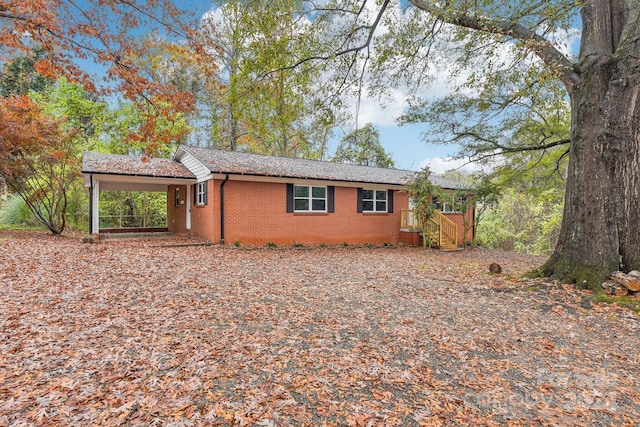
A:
{"x":422,"y":193}
{"x":272,"y":245}
{"x":362,"y":147}
{"x":117,"y":127}
{"x":262,"y":103}
{"x":527,"y":216}
{"x":631,"y":303}
{"x":492,"y":118}
{"x":523,"y":222}
{"x":132,"y":209}
{"x":236,"y":244}
{"x":298,"y":244}
{"x":16,"y":214}
{"x":486,"y":196}
{"x":344,"y":244}
{"x":79,"y":110}
{"x":19,"y":76}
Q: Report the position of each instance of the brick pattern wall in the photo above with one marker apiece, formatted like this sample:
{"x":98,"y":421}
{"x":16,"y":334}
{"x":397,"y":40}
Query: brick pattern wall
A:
{"x":205,"y":218}
{"x":458,"y":218}
{"x":177,"y":215}
{"x":255,"y":213}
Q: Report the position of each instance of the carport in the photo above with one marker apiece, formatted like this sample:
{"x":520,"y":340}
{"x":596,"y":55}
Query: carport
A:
{"x":108,"y":172}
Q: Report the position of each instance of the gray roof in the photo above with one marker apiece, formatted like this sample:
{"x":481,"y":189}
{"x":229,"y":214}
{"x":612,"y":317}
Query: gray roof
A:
{"x":234,"y":162}
{"x":117,"y":164}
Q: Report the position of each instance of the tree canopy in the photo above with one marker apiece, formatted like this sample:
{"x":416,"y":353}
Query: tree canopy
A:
{"x":37,"y":160}
{"x":362,"y":147}
{"x":509,"y":63}
{"x":71,"y":35}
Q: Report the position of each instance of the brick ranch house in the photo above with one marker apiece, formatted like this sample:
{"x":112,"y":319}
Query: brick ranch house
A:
{"x":227,"y":197}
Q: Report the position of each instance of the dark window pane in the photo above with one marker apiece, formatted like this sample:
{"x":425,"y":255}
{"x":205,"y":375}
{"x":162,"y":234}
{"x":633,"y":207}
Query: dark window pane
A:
{"x":301,"y":191}
{"x":367,"y":205}
{"x":367,"y":194}
{"x":319,"y":192}
{"x":381,"y":206}
{"x":302,"y":205}
{"x":381,"y":195}
{"x":318,"y":205}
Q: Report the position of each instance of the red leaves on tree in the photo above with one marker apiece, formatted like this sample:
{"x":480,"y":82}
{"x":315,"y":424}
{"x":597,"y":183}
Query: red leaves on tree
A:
{"x":36,"y":159}
{"x":109,"y":34}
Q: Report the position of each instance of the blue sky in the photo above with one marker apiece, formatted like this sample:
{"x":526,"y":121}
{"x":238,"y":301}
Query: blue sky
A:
{"x":404,"y":143}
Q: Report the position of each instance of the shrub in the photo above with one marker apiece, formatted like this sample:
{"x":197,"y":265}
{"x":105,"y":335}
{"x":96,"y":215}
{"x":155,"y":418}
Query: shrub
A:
{"x":15,"y":213}
{"x":271,"y":245}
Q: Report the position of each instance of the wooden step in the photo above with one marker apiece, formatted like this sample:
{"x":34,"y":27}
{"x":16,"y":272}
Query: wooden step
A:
{"x":449,"y":247}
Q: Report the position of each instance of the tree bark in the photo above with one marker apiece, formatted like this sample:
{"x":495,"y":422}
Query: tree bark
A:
{"x":600,"y":231}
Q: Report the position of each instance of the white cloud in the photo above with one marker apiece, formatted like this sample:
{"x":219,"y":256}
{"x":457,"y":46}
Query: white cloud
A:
{"x":446,"y":74}
{"x":440,"y":165}
{"x":372,"y":111}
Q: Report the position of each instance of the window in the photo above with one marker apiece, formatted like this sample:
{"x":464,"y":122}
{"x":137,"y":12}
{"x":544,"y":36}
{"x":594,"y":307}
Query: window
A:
{"x":453,"y":203}
{"x":374,"y":200}
{"x":201,"y":193}
{"x":177,"y":197}
{"x":309,"y":199}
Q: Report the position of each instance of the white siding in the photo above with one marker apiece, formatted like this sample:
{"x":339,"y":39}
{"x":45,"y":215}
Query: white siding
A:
{"x":194,"y":165}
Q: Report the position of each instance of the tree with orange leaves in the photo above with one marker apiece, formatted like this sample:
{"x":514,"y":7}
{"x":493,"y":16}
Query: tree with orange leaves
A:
{"x":108,"y":33}
{"x":37,"y":159}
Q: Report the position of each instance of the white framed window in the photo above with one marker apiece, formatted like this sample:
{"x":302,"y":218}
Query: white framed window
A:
{"x":201,"y":193}
{"x":451,"y":203}
{"x":374,"y":200}
{"x":307,"y":198}
{"x":177,"y":197}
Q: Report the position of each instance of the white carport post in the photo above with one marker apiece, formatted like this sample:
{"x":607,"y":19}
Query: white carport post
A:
{"x":188,"y":210}
{"x":94,"y":205}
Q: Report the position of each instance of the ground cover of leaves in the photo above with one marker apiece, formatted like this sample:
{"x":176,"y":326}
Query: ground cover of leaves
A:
{"x":137,"y":332}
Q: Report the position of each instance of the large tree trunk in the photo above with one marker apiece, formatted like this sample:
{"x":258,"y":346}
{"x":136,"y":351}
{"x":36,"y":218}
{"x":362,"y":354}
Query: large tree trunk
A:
{"x":600,"y":230}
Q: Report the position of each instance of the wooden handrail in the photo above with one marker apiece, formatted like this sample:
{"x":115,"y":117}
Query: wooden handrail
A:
{"x":447,"y":230}
{"x":408,"y":219}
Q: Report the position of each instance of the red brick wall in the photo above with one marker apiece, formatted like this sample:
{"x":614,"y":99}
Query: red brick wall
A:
{"x":410,"y":238}
{"x":255,"y":213}
{"x":176,"y":215}
{"x":204,"y":218}
{"x":458,"y":218}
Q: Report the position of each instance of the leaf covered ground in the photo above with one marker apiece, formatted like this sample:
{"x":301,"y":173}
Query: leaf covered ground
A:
{"x":138,"y":332}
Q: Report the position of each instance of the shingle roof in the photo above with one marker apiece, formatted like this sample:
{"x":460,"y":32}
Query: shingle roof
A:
{"x":234,"y":162}
{"x":117,"y":164}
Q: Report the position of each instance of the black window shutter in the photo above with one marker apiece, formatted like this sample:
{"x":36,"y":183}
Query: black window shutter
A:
{"x":359,"y":200}
{"x":390,"y":201}
{"x":330,"y":197}
{"x":195,"y":194}
{"x":289,"y":197}
{"x":205,"y":188}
